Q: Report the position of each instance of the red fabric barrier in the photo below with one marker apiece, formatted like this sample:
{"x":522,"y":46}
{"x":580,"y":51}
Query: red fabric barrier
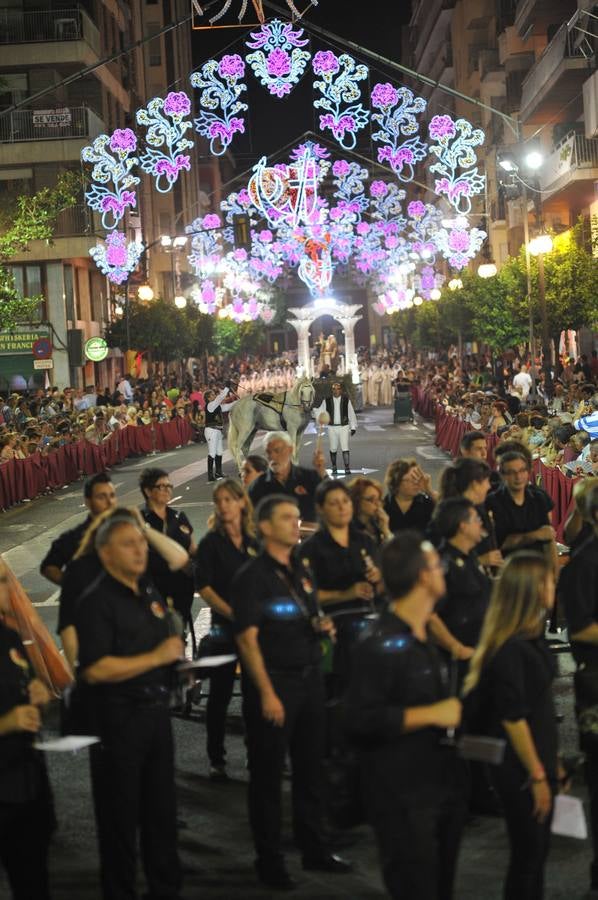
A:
{"x":25,"y":479}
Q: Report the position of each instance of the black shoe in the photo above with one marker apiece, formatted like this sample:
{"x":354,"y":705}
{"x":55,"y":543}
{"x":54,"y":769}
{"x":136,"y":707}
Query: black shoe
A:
{"x":274,"y":876}
{"x":211,"y":479}
{"x":347,"y":471}
{"x":328,"y":862}
{"x":219,"y":475}
{"x":334,"y":473}
{"x":218,"y":772}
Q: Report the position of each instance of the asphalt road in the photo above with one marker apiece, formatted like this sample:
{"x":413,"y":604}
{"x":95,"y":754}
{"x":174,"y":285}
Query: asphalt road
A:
{"x":215,"y":845}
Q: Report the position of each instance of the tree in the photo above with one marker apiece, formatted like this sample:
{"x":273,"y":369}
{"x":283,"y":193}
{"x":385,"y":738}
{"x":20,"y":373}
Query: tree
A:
{"x":227,"y":337}
{"x":29,"y":218}
{"x":170,"y":334}
{"x":497,"y":309}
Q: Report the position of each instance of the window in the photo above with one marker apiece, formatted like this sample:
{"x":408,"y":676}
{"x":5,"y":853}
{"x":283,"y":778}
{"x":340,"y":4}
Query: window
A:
{"x":13,"y":89}
{"x":29,"y":283}
{"x":154,"y":47}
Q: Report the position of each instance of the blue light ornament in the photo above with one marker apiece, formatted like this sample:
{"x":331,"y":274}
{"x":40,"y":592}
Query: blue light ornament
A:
{"x":396,"y":117}
{"x":454,"y":150}
{"x":112,"y":167}
{"x":278,"y":62}
{"x":116,"y":258}
{"x":338,"y":84}
{"x":166,"y":128}
{"x":221,"y":86}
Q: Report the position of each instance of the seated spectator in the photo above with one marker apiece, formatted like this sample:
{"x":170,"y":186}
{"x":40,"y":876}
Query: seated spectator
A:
{"x":410,"y":499}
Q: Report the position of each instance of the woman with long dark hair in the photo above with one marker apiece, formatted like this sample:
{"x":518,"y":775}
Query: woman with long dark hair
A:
{"x":470,"y":478}
{"x":227,"y":546}
{"x":369,"y":514}
{"x":508,"y":694}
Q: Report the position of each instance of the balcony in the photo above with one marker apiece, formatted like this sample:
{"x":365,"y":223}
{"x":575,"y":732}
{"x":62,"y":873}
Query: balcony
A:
{"x":73,"y":221}
{"x":571,"y":167}
{"x":555,"y":81}
{"x":62,"y":36}
{"x":30,"y":136}
{"x":537,"y":15}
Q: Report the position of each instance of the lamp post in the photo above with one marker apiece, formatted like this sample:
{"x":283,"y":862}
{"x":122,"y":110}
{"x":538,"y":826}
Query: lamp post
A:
{"x":538,"y":247}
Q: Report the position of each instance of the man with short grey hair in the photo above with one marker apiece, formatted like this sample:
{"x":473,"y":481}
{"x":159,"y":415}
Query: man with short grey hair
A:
{"x":284,"y":477}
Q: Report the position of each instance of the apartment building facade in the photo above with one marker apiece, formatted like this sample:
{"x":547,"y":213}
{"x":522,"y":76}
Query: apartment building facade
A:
{"x":534,"y":61}
{"x":41,"y":45}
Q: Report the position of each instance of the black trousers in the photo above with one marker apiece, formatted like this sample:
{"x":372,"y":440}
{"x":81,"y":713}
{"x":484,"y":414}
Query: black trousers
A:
{"x":25,"y":831}
{"x":222,"y":682}
{"x":418,"y":845}
{"x":132,"y":773}
{"x":303,"y":735}
{"x":591,"y":772}
{"x":529,"y":840}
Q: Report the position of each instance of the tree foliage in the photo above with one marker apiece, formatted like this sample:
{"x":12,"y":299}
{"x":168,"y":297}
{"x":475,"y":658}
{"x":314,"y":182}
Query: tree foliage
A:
{"x":168,"y":333}
{"x":29,"y":218}
{"x":495,"y":311}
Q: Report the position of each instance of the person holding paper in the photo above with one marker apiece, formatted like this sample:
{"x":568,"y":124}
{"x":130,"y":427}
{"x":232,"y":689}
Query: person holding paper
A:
{"x":508,"y":694}
{"x":26,"y":808}
{"x":127,"y":646}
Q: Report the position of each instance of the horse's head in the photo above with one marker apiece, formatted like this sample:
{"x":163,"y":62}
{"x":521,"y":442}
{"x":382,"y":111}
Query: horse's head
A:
{"x":307,"y":393}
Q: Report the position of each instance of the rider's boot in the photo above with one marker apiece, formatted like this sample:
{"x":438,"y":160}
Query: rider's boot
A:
{"x":219,"y":467}
{"x":211,"y":468}
{"x":333,"y":460}
{"x":346,"y":462}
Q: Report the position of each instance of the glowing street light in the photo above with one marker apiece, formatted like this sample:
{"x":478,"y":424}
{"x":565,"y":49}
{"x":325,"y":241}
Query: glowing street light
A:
{"x":436,"y":294}
{"x":487,"y":270}
{"x":417,"y":301}
{"x":540,"y":244}
{"x":180,"y":302}
{"x":455,"y":284}
{"x":145,"y":293}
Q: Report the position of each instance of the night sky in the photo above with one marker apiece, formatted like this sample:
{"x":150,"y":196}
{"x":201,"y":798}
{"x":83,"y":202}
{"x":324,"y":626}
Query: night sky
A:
{"x":274,"y":123}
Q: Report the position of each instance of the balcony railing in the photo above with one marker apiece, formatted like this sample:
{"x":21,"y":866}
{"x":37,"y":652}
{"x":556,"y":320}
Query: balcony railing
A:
{"x":571,"y":153}
{"x":50,"y":125}
{"x":19,"y":26}
{"x":73,"y":221}
{"x":562,"y":47}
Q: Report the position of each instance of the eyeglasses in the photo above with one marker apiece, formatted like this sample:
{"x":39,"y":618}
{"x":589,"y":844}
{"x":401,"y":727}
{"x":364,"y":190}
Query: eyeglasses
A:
{"x":163,"y":487}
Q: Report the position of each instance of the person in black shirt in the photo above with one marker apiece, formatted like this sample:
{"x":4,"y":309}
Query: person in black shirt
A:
{"x":521,"y":511}
{"x":157,"y":491}
{"x":369,"y":514}
{"x":278,"y":627}
{"x":508,"y":694}
{"x":343,"y":560}
{"x":284,"y":477}
{"x":470,"y":478}
{"x":215,"y":407}
{"x":462,"y":609}
{"x":86,"y":566}
{"x":578,"y":592}
{"x":229,"y":543}
{"x":409,"y":500}
{"x":474,"y":446}
{"x":99,"y":496}
{"x":26,"y":809}
{"x":398,"y":710}
{"x":126,"y":650}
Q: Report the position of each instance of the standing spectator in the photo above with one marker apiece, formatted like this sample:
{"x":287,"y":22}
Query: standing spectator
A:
{"x":522,"y":382}
{"x":509,"y":694}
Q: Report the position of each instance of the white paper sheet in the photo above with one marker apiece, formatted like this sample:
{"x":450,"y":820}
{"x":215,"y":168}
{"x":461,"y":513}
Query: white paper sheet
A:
{"x":207,"y":662}
{"x":569,"y":818}
{"x":68,"y":744}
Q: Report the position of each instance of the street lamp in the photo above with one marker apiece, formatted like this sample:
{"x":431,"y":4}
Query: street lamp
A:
{"x":180,"y":302}
{"x":538,"y":247}
{"x":455,"y":284}
{"x":145,"y":293}
{"x":487,"y":270}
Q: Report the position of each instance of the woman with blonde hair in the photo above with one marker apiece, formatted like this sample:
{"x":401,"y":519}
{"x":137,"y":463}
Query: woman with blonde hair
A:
{"x":508,"y":694}
{"x":228,"y":545}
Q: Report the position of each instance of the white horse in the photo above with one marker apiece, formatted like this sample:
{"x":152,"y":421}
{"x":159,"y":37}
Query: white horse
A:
{"x":288,"y":411}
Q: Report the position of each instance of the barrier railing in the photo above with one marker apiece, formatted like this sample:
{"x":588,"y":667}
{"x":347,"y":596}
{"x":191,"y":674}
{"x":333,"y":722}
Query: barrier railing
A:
{"x":450,"y":431}
{"x":25,"y":479}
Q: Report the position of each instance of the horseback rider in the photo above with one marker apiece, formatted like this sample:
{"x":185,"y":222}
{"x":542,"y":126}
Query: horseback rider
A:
{"x":215,"y":407}
{"x":342,"y":421}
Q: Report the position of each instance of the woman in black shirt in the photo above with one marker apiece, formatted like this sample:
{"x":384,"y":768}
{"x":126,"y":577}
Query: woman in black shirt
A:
{"x":509,"y":694}
{"x":26,"y":810}
{"x":470,"y":478}
{"x":344,"y":563}
{"x":220,"y":554}
{"x":410,"y":499}
{"x":369,"y":514}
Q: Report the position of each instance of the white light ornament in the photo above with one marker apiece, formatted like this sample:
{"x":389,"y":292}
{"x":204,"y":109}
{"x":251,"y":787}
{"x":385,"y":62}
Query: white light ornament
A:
{"x":288,"y":193}
{"x":165,"y":158}
{"x":278,"y":61}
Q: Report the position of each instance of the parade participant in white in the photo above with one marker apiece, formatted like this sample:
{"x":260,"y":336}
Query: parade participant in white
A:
{"x":213,"y":431}
{"x":342,"y":421}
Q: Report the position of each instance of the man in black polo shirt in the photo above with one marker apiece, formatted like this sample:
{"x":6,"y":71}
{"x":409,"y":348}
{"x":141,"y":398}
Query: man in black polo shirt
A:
{"x":99,"y":496}
{"x":278,"y":625}
{"x":283,"y":477}
{"x":520,"y":510}
{"x":578,"y":591}
{"x":398,"y":710}
{"x":126,"y":649}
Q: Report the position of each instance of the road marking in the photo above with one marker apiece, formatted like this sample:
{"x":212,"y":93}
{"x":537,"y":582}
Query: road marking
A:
{"x":429,"y":426}
{"x":151,"y":460}
{"x":373,"y":428}
{"x":52,"y":600}
{"x":17,"y":528}
{"x":430,"y":452}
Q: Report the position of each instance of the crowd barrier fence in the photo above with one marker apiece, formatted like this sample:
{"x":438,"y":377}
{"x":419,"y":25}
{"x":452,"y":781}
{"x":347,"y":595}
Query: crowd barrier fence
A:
{"x":25,"y":479}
